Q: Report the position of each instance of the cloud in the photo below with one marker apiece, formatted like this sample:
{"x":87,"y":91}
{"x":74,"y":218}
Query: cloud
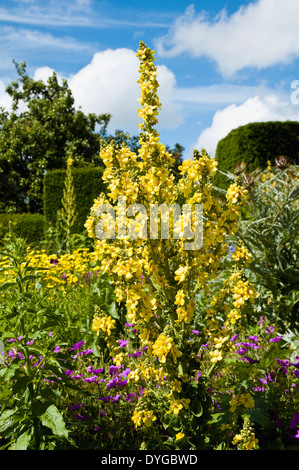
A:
{"x":256,"y":109}
{"x":5,"y":100}
{"x":215,"y":96}
{"x":108,"y":84}
{"x":259,"y":35}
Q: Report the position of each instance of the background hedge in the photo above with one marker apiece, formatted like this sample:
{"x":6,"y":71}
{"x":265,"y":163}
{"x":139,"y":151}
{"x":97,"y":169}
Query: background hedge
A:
{"x":255,"y":144}
{"x":88,"y":185}
{"x":29,"y":226}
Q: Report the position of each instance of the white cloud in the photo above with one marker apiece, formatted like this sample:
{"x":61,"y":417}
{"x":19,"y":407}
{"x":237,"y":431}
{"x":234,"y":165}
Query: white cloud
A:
{"x":255,"y":109}
{"x":261,"y":34}
{"x":108,"y":84}
{"x":5,"y":100}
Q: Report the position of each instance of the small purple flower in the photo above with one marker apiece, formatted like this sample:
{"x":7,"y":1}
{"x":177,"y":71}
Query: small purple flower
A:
{"x":91,"y":370}
{"x":76,"y":407}
{"x":253,"y":338}
{"x":77,"y":346}
{"x":195,"y":332}
{"x":275,"y":340}
{"x":123,"y":343}
{"x":234,"y":337}
{"x":56,"y":349}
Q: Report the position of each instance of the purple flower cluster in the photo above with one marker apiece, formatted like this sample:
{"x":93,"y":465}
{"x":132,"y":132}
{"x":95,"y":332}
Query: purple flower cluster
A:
{"x":294,"y":426}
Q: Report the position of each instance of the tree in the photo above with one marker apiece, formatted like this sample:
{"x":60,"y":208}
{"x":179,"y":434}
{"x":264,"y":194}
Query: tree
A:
{"x":39,"y":134}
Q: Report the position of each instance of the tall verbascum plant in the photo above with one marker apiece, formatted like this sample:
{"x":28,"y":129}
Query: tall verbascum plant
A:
{"x":68,"y":201}
{"x":158,"y":279}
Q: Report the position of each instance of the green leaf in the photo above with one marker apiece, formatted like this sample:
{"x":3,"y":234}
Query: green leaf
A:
{"x":7,"y":285}
{"x":23,"y":441}
{"x":22,"y":382}
{"x":53,"y":420}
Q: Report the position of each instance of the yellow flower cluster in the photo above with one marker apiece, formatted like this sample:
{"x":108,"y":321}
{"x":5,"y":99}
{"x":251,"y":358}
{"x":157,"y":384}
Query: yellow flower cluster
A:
{"x":246,"y":440}
{"x":242,"y":291}
{"x":164,"y":345}
{"x":146,"y":417}
{"x":102,"y":323}
{"x":241,"y":254}
{"x":158,"y":278}
{"x":245,"y":399}
{"x":67,"y":270}
{"x":177,"y":405}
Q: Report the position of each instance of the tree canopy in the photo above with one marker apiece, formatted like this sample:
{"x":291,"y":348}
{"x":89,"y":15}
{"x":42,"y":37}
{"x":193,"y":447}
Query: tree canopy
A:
{"x":42,"y":130}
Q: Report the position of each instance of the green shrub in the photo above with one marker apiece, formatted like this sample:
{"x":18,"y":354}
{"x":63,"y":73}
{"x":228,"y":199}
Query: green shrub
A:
{"x":87,"y":185}
{"x":270,"y":231}
{"x":28,"y":226}
{"x":255,"y":144}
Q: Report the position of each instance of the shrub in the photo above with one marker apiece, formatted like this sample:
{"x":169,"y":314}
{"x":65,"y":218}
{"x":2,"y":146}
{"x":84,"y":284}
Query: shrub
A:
{"x":255,"y":144}
{"x":28,"y":226}
{"x":87,"y":185}
{"x":270,"y":231}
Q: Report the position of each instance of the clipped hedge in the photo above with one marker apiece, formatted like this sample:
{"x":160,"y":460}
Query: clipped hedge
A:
{"x":255,"y":144}
{"x":28,"y":226}
{"x":88,"y":185}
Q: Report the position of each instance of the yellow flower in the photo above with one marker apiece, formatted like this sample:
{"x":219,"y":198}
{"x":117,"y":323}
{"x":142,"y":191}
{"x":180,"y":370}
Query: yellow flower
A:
{"x":237,"y":438}
{"x":179,"y":435}
{"x":180,"y":273}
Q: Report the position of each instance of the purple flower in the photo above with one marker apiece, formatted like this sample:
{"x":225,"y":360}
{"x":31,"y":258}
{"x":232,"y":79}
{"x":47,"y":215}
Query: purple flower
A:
{"x":125,"y":373}
{"x":136,"y":354}
{"x":123,"y":343}
{"x":30,"y":342}
{"x":56,"y":349}
{"x":195,"y":332}
{"x":91,"y":379}
{"x":294,"y":426}
{"x":266,"y":380}
{"x":234,"y":337}
{"x":253,"y":338}
{"x":54,"y":261}
{"x":76,"y":407}
{"x":91,"y":370}
{"x":269,"y":330}
{"x":275,"y":340}
{"x":77,"y":345}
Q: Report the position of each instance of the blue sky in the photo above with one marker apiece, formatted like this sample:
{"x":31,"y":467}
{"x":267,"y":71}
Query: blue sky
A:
{"x":221,"y":64}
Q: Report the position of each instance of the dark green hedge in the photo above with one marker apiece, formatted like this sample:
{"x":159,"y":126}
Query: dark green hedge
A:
{"x":255,"y":144}
{"x":29,"y":226}
{"x":88,"y":185}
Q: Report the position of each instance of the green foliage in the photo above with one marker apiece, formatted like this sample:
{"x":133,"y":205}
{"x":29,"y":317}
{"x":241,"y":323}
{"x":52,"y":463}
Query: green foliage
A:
{"x":68,"y":211}
{"x":28,"y":226}
{"x":87,"y":186}
{"x":255,"y":144}
{"x":40,"y":138}
{"x":270,"y":231}
{"x":30,"y":418}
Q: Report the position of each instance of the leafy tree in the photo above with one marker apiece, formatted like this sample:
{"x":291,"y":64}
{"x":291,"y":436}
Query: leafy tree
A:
{"x":39,"y":134}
